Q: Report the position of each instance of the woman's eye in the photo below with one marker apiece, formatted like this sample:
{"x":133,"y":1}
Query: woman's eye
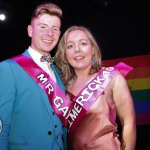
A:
{"x":69,"y":46}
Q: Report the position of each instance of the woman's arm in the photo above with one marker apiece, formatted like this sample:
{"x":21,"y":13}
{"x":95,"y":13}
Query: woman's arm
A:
{"x":125,"y":111}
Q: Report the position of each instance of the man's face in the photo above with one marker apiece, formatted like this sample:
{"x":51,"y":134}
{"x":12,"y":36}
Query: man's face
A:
{"x":45,"y":33}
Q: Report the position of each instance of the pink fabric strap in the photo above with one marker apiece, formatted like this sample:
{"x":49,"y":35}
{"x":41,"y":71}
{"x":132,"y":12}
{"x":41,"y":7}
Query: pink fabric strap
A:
{"x":57,"y":98}
{"x":89,"y":94}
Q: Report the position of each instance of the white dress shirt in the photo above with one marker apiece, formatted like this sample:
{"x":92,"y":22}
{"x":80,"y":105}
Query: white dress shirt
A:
{"x":44,"y":65}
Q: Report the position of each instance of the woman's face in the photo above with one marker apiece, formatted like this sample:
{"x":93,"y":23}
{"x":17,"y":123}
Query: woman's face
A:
{"x":79,"y":50}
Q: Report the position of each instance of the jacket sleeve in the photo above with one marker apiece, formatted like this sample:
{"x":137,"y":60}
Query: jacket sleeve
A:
{"x":7,"y":97}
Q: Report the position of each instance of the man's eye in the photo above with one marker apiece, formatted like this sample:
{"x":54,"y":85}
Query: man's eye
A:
{"x":84,"y":43}
{"x":56,"y":29}
{"x":43,"y":27}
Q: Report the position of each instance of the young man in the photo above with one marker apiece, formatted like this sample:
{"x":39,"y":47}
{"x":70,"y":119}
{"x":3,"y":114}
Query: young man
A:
{"x":27,"y":118}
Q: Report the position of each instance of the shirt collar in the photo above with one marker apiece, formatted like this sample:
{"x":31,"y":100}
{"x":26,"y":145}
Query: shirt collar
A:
{"x":34,"y":54}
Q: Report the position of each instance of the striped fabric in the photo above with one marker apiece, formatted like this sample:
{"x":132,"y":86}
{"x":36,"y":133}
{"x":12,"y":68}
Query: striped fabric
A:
{"x":139,"y":82}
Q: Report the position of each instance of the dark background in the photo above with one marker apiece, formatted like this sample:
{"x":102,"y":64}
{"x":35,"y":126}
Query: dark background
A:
{"x":121,"y":28}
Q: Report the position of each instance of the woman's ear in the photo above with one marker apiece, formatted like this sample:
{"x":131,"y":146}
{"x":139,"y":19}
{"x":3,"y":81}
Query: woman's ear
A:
{"x":93,"y":51}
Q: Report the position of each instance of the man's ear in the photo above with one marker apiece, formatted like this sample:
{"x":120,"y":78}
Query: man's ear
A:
{"x":29,"y":29}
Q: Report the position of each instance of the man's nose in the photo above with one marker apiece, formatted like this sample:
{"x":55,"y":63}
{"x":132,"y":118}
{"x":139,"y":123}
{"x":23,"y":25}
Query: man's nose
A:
{"x":49,"y":32}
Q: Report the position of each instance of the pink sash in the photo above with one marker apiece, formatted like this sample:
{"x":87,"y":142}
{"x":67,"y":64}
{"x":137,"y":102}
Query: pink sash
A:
{"x":57,"y":98}
{"x":70,"y":113}
{"x":89,"y":94}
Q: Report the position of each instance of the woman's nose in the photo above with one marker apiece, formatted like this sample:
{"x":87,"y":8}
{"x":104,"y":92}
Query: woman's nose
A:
{"x":77,"y":48}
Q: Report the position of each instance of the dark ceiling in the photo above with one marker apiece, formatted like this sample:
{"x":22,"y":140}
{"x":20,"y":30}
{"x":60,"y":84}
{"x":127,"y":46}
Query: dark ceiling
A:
{"x":121,"y":27}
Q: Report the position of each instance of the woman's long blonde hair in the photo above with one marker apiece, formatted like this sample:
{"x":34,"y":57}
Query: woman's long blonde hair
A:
{"x":61,"y":60}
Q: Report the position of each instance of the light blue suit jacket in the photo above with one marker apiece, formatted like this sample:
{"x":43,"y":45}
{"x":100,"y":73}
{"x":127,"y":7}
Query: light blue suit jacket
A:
{"x":27,"y":120}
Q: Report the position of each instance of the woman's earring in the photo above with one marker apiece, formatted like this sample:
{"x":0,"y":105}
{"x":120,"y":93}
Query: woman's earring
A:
{"x":92,"y":61}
